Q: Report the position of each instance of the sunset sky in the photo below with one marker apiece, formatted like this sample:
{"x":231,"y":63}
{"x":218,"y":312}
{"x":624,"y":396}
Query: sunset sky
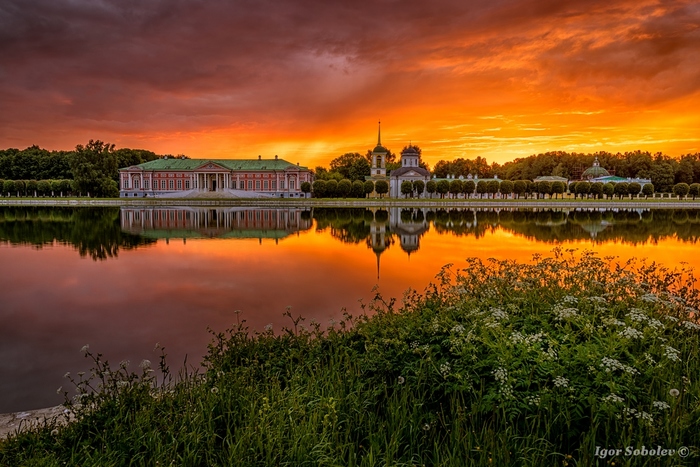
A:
{"x":308,"y":79}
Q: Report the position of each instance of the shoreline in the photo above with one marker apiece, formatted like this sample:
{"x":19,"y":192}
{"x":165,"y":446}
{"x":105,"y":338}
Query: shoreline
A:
{"x":28,"y":419}
{"x":665,"y":203}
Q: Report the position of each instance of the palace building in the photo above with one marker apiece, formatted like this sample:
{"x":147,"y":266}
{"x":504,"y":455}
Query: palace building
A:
{"x":172,"y":177}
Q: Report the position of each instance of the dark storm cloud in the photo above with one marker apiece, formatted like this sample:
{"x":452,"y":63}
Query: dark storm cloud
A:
{"x":154,"y":65}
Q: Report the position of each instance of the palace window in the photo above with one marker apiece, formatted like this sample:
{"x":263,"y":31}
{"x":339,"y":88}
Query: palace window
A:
{"x":125,"y":184}
{"x":146,"y":185}
{"x":265,"y":185}
{"x":179,"y":184}
{"x":171,"y":184}
{"x":162,"y":184}
{"x":250,"y":184}
{"x":274,"y":185}
{"x":187,"y":184}
{"x":291,"y":184}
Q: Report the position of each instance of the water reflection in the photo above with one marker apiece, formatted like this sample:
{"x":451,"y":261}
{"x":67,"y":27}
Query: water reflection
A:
{"x":318,"y":261}
{"x":188,"y":222}
{"x":94,"y":232}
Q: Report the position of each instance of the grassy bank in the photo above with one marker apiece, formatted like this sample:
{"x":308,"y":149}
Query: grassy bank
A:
{"x":499,"y":363}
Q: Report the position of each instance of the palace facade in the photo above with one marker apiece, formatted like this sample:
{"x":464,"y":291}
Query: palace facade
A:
{"x":172,"y":177}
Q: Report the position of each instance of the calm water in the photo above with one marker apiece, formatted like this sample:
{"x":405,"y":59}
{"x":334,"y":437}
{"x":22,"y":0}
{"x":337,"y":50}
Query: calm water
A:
{"x":124,"y":280}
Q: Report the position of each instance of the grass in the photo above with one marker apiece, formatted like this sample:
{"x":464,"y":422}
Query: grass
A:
{"x":498,"y":363}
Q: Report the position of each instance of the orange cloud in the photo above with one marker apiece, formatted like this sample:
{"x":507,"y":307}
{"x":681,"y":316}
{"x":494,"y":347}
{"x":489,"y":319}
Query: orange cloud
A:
{"x":307,"y":80}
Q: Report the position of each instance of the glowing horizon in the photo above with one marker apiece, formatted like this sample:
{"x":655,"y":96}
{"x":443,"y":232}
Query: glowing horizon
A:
{"x":498,"y":79}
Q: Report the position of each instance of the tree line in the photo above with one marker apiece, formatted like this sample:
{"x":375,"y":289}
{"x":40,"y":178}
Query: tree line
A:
{"x":90,"y":169}
{"x":664,"y":171}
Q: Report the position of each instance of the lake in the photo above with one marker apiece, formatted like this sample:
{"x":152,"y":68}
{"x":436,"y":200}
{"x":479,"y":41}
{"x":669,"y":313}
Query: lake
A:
{"x":123,"y":280}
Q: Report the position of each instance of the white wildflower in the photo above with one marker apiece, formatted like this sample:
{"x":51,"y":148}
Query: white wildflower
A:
{"x":498,"y":314}
{"x":458,"y":329}
{"x":661,"y":405}
{"x":551,"y":353}
{"x":564,"y":313}
{"x":597,"y":300}
{"x":650,"y":298}
{"x":635,"y":314}
{"x":401,"y":380}
{"x":145,"y":364}
{"x":690,"y":325}
{"x":533,"y":400}
{"x":570,"y":300}
{"x":649,"y":359}
{"x":614,"y":398}
{"x":671,"y":318}
{"x":610,"y":365}
{"x":561,"y":382}
{"x":671,"y":353}
{"x":67,"y":375}
{"x":655,"y":323}
{"x":124,"y":363}
{"x":445,"y":369}
{"x":59,"y":390}
{"x":613,"y":322}
{"x":630,"y":333}
{"x":85,"y":349}
{"x":268,"y":327}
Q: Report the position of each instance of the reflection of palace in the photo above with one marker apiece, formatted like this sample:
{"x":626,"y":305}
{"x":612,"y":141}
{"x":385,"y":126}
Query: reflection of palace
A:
{"x":189,"y":222}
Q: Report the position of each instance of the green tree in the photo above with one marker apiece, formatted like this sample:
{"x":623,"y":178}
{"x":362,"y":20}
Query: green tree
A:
{"x":572,"y":188}
{"x":481,"y":188}
{"x":506,"y":188}
{"x":305,"y":187}
{"x":455,"y":188}
{"x":609,"y":189}
{"x":662,"y":177}
{"x":492,"y":187}
{"x":382,"y":187}
{"x":621,"y":189}
{"x":8,"y":187}
{"x":545,"y":188}
{"x":558,"y":188}
{"x":351,"y":165}
{"x":32,"y":186}
{"x":431,"y":187}
{"x":92,"y":166}
{"x":519,"y":187}
{"x":681,"y":189}
{"x":597,"y":190}
{"x":319,"y":188}
{"x":468,"y":188}
{"x":43,"y":187}
{"x":648,"y":190}
{"x":583,"y":188}
{"x":406,"y":188}
{"x":694,"y":190}
{"x":331,"y":188}
{"x":344,"y":188}
{"x":634,"y":188}
{"x":20,"y":187}
{"x":419,"y":187}
{"x":443,"y":187}
{"x":368,"y":187}
{"x":358,"y":189}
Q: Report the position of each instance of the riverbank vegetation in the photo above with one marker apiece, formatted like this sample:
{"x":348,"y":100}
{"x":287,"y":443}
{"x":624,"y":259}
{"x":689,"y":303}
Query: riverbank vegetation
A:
{"x":498,"y":363}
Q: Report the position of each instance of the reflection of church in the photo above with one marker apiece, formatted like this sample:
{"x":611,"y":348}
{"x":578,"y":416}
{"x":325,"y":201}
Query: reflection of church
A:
{"x":406,"y":224}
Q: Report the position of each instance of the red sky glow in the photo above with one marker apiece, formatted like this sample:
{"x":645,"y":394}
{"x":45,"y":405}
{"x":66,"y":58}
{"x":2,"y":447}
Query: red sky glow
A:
{"x":308,"y":79}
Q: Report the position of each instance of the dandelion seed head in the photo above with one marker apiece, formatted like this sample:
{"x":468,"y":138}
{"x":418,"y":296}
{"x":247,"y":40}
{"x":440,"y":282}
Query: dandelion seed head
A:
{"x":214,"y":390}
{"x":145,"y":364}
{"x":674,"y":392}
{"x":54,"y":432}
{"x":401,"y":380}
{"x":85,"y":349}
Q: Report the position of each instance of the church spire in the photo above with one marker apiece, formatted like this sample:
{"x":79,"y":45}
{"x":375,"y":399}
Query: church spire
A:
{"x":379,"y":134}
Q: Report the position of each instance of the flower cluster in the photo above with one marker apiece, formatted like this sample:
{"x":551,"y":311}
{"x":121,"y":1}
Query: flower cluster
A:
{"x":564,"y":313}
{"x":561,"y":382}
{"x":639,"y":414}
{"x":445,"y":369}
{"x":501,"y":375}
{"x":671,"y":353}
{"x":610,"y":365}
{"x":614,"y":398}
{"x":660,"y":405}
{"x":533,"y":400}
{"x":630,"y":333}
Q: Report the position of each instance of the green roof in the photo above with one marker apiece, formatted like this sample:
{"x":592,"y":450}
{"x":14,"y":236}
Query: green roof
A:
{"x":231,"y":164}
{"x":379,"y":148}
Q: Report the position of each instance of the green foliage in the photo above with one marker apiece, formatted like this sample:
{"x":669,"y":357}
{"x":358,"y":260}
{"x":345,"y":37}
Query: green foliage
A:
{"x":352,"y":166}
{"x":331,"y":188}
{"x":305,"y":187}
{"x":468,"y":188}
{"x":519,"y":187}
{"x":382,"y":187}
{"x":8,"y":187}
{"x":358,"y":189}
{"x":634,"y":188}
{"x":419,"y":187}
{"x":43,"y":187}
{"x":648,"y":190}
{"x":319,"y":188}
{"x":681,"y":189}
{"x":492,"y":186}
{"x":406,"y":188}
{"x":481,"y":187}
{"x":344,"y":188}
{"x":558,"y":188}
{"x":455,"y":188}
{"x":368,"y":187}
{"x":621,"y":189}
{"x":431,"y":187}
{"x":506,"y":187}
{"x":694,"y":190}
{"x":597,"y":189}
{"x":583,"y":188}
{"x":609,"y":189}
{"x":443,"y":186}
{"x":498,"y":363}
{"x":93,"y":166}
